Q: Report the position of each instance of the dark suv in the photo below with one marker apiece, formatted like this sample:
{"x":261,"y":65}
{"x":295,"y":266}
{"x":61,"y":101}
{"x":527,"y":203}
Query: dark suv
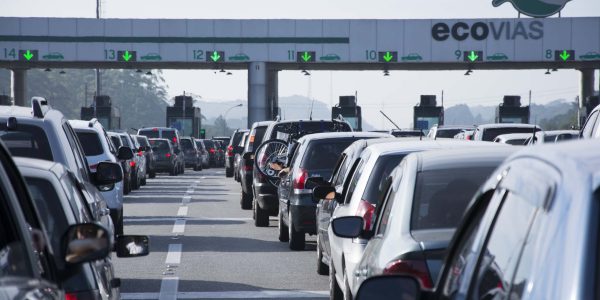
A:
{"x":266,"y":202}
{"x":171,"y":134}
{"x":233,"y":148}
{"x":191,"y":153}
{"x":211,"y":147}
{"x":255,"y":137}
{"x":147,"y":150}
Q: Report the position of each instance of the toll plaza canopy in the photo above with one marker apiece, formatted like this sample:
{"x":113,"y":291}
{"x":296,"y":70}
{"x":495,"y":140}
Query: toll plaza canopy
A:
{"x":289,"y":44}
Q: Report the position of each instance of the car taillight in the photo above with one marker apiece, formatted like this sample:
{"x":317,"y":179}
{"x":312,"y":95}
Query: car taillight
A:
{"x":155,"y":129}
{"x":300,"y":177}
{"x":174,"y":140}
{"x":132,"y":164}
{"x":230,"y":151}
{"x":69,"y":296}
{"x":168,"y":155}
{"x":468,"y":137}
{"x":365,"y":211}
{"x":416,"y":268}
{"x":140,"y":153}
{"x":212,"y":150}
{"x":93,"y":167}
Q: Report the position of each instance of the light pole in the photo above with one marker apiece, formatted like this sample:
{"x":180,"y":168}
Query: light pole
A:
{"x":227,"y":111}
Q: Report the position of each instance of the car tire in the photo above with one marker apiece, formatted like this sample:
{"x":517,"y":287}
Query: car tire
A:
{"x":126,"y":187}
{"x":322,"y":268}
{"x":335,"y":292}
{"x":144,"y":180}
{"x":284,"y":235}
{"x":152,"y":174}
{"x":228,"y":172}
{"x":246,"y":201}
{"x":297,"y":238}
{"x":262,"y":216}
{"x":119,"y":226}
{"x":173,"y":172}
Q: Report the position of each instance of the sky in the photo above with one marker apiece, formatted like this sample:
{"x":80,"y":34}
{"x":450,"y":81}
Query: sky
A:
{"x":395,"y":94}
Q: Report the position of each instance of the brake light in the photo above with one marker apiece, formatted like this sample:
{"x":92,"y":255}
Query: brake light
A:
{"x":140,"y":153}
{"x":132,"y":164}
{"x":468,"y":137}
{"x":230,"y":151}
{"x":365,"y":211}
{"x":416,"y":268}
{"x":154,"y":129}
{"x":93,"y":167}
{"x":168,"y":155}
{"x":174,"y":140}
{"x":300,"y":177}
{"x":212,"y":150}
{"x":69,"y":296}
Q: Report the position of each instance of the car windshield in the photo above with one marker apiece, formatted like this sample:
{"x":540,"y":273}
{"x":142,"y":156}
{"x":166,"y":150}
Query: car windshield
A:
{"x":90,"y":142}
{"x":323,"y":155}
{"x":162,"y":146}
{"x":441,"y":196}
{"x":187,"y":144}
{"x":27,"y":141}
{"x":300,"y":129}
{"x":149,"y":133}
{"x":142,"y":141}
{"x":374,"y":191}
{"x":491,"y":133}
{"x":447,"y":133}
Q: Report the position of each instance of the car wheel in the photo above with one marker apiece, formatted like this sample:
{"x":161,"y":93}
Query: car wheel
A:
{"x":297,"y":238}
{"x":322,"y":268}
{"x":262,"y":216}
{"x":144,"y":180}
{"x":335,"y":293}
{"x":152,"y":174}
{"x":119,"y":226}
{"x":246,"y":201}
{"x":228,"y":172}
{"x":173,"y":171}
{"x":284,"y":235}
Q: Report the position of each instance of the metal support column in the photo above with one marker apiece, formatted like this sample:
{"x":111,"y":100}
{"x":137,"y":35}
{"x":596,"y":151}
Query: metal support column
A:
{"x":18,"y":86}
{"x":273,"y":97}
{"x":258,"y":105}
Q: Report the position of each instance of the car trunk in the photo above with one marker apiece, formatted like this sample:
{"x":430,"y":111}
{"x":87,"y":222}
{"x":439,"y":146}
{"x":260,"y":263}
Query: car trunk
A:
{"x":433,"y":243}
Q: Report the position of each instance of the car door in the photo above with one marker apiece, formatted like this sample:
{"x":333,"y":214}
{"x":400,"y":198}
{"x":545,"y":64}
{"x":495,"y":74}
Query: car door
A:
{"x":285,"y":188}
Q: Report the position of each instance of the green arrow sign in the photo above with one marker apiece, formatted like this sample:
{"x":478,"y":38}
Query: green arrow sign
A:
{"x":28,"y":55}
{"x":306,"y":56}
{"x":472,"y":56}
{"x":127,"y":56}
{"x":388,"y":56}
{"x":215,"y":56}
{"x":565,"y":55}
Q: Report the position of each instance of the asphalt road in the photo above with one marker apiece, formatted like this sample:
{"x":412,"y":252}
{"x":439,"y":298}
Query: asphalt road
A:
{"x":203,"y":246}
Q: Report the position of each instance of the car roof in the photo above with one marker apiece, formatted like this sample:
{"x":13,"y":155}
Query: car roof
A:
{"x":473,"y":157}
{"x":456,"y":127}
{"x":506,"y":125}
{"x":27,"y":112}
{"x":39,"y":164}
{"x":515,"y":135}
{"x":557,"y":132}
{"x":337,"y":135}
{"x":262,"y":123}
{"x":411,"y":145}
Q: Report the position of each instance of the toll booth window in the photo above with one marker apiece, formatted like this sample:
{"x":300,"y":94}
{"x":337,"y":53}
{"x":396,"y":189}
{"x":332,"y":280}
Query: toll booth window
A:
{"x":90,"y":143}
{"x":151,"y":134}
{"x":27,"y":141}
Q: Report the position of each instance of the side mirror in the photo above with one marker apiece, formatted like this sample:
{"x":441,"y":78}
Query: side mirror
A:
{"x":248,"y":155}
{"x":125,"y":153}
{"x":347,"y":227}
{"x":108,"y":173}
{"x":132,"y":245}
{"x":86,"y":243}
{"x":324,"y":192}
{"x":389,"y":287}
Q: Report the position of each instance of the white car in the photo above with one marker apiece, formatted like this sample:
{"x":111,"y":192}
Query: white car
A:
{"x":513,"y":138}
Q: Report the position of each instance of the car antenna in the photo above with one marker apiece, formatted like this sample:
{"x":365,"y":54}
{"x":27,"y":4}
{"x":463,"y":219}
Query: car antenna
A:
{"x":533,"y":139}
{"x":312,"y":104}
{"x":390,"y":120}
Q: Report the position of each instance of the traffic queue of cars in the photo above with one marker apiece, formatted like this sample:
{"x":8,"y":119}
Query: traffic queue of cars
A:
{"x":458,"y":214}
{"x":61,"y":210}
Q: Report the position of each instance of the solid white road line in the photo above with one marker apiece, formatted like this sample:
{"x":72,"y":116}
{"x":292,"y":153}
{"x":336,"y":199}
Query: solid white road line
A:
{"x":182,"y":211}
{"x":279,"y":294}
{"x":174,"y":254}
{"x":171,"y":219}
{"x":168,"y":288}
{"x":179,"y":226}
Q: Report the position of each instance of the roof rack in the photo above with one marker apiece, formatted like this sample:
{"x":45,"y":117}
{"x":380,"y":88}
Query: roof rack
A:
{"x":39,"y":106}
{"x":92,"y":121}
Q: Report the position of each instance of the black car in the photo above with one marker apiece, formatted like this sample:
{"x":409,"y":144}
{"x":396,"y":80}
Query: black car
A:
{"x":247,"y":162}
{"x":211,"y":147}
{"x":237,"y":160}
{"x":147,"y":150}
{"x":220,"y":148}
{"x":531,"y":232}
{"x":315,"y":156}
{"x":125,"y":163}
{"x":233,"y":148}
{"x":191,"y":153}
{"x":164,"y":156}
{"x":266,"y":202}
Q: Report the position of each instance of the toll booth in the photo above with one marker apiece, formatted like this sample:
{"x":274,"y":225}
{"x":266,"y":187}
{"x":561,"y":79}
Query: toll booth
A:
{"x":427,"y":113}
{"x":511,"y":111}
{"x":348,"y":109}
{"x":5,"y":100}
{"x":185,"y":117}
{"x":102,"y":109}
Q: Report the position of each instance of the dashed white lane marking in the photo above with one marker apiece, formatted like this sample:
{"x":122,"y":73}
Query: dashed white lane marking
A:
{"x":171,"y":219}
{"x":190,"y":191}
{"x":186,"y":199}
{"x":168,"y":288}
{"x":174,"y":254}
{"x":182,"y":211}
{"x":179,"y":226}
{"x":279,"y":294}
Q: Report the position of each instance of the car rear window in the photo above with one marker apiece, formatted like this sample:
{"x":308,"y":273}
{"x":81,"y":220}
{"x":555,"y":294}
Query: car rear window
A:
{"x":447,"y":133}
{"x":441,"y":196}
{"x":199,"y":145}
{"x":374,"y":191}
{"x":162,"y":146}
{"x":237,"y":137}
{"x":90,"y":142}
{"x":259,"y":134}
{"x":209,"y":144}
{"x":142,"y":141}
{"x":491,"y":133}
{"x":149,"y":133}
{"x":280,"y":131}
{"x":220,"y":144}
{"x":186,"y":144}
{"x":323,"y":155}
{"x":27,"y":141}
{"x":125,"y":141}
{"x":168,"y":134}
